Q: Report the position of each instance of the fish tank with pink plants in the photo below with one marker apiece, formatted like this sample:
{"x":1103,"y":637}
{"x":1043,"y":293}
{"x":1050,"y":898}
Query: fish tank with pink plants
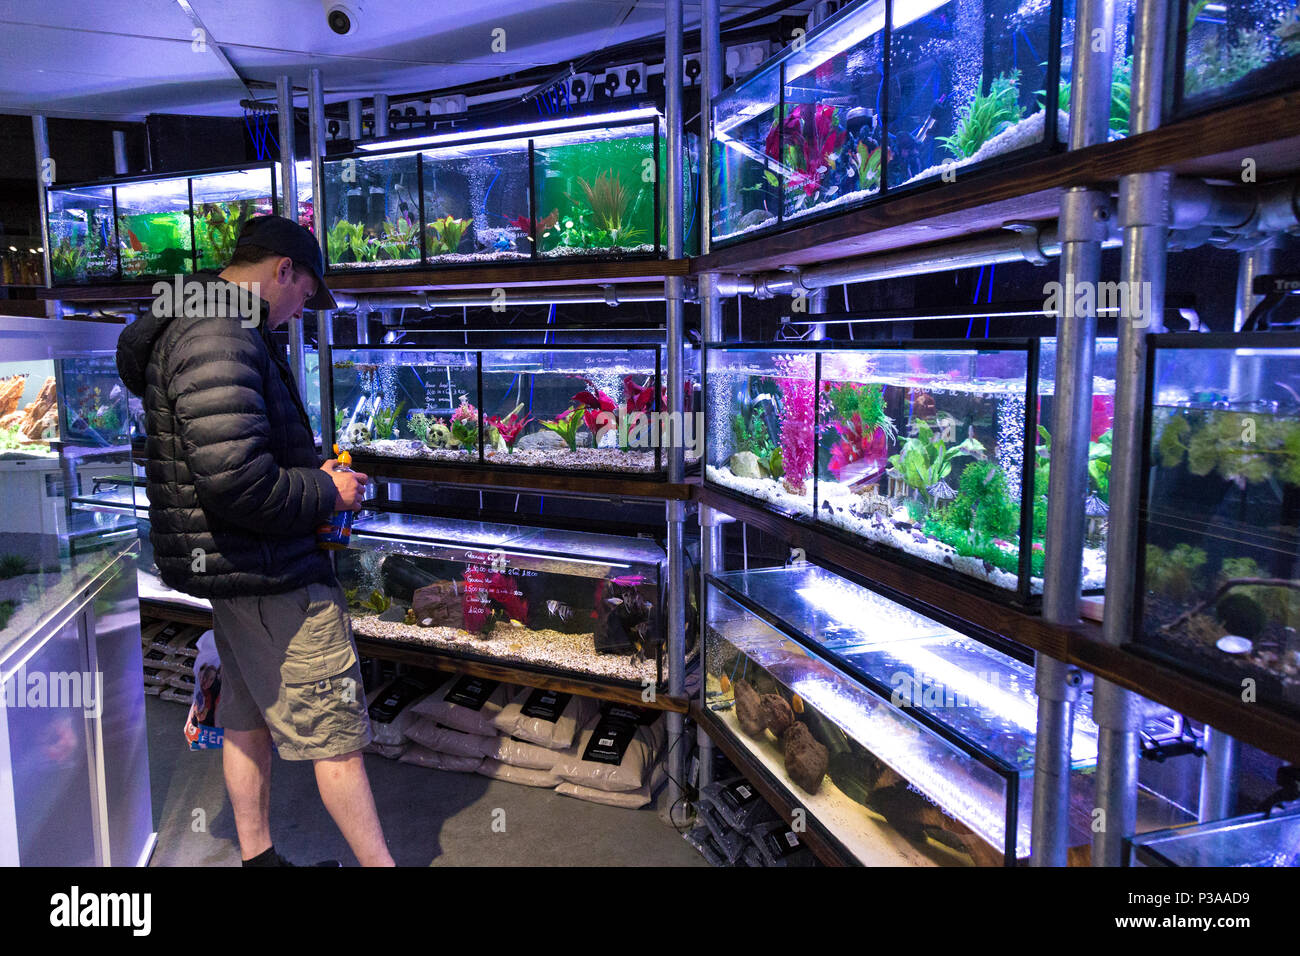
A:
{"x":1230,"y":52}
{"x":883,"y":96}
{"x":589,"y":408}
{"x":587,"y":186}
{"x":575,"y":603}
{"x":140,"y":227}
{"x":929,"y":451}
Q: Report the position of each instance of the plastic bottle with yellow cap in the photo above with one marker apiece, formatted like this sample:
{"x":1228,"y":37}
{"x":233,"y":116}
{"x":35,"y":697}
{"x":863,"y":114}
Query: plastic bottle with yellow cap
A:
{"x":337,"y":532}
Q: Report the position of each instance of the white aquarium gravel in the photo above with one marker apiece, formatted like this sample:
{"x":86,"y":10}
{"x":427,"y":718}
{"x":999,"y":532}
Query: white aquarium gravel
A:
{"x":1025,"y":133}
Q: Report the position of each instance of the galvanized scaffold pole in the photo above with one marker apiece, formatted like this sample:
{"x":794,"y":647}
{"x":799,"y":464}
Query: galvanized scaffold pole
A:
{"x":289,"y":209}
{"x":712,"y":547}
{"x":1083,"y":226}
{"x":355,"y":128}
{"x":1145,"y":216}
{"x":676,"y":509}
{"x":325,"y":317}
{"x":41,"y":136}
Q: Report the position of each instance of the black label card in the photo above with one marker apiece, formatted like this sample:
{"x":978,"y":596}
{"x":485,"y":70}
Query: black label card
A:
{"x":545,"y":704}
{"x":738,"y":795}
{"x":400,"y":693}
{"x":613,"y":734}
{"x":471,"y":692}
{"x":781,"y":843}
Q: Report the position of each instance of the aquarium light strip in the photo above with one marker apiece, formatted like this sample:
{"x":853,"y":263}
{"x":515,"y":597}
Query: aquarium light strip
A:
{"x":521,"y":130}
{"x":866,"y":21}
{"x":853,"y":610}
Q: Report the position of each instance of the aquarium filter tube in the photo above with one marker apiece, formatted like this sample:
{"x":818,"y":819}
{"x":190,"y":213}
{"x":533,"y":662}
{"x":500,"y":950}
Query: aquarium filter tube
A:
{"x":524,"y":129}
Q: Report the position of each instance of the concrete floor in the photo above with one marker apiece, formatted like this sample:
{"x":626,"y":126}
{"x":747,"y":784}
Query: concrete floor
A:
{"x":430,"y":817}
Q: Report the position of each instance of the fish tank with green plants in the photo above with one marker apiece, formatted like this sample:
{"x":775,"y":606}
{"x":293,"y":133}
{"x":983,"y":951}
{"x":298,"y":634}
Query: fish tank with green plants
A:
{"x":222,"y":203}
{"x":1256,"y":839}
{"x":561,"y":601}
{"x":906,"y":740}
{"x":864,"y":104}
{"x":83,"y":234}
{"x":97,"y":408}
{"x":476,"y":202}
{"x":394,"y":402}
{"x":155,"y":232}
{"x":577,"y":186}
{"x":586,"y":408}
{"x":917,"y":447}
{"x":1229,"y":52}
{"x":1219,"y":571}
{"x":372,"y":208}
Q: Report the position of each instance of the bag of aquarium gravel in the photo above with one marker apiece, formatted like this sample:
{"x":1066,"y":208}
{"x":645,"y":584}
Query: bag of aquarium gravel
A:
{"x":529,"y":778}
{"x":731,"y":841}
{"x":617,"y":749}
{"x":629,"y":799}
{"x":426,"y":732}
{"x":424,"y":757}
{"x":699,"y":837}
{"x":780,"y":846}
{"x":752,"y":857}
{"x":738,"y":803}
{"x":392,"y":713}
{"x":546,"y":718}
{"x":391,"y":751}
{"x":468,"y":704}
{"x":519,"y":753}
{"x":161,"y":638}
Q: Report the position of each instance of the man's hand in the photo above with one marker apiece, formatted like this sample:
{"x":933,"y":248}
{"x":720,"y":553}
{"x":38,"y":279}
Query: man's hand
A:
{"x":347,"y":486}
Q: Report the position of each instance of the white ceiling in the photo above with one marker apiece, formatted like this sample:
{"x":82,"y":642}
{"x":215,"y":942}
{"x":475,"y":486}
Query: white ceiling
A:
{"x":124,"y":59}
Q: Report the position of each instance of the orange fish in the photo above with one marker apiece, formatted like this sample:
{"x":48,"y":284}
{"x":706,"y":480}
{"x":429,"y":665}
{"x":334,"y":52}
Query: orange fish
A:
{"x":796,"y":704}
{"x":136,"y":244}
{"x":725,"y":684}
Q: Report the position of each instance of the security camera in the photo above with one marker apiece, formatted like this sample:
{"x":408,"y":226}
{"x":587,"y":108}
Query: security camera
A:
{"x":342,"y":17}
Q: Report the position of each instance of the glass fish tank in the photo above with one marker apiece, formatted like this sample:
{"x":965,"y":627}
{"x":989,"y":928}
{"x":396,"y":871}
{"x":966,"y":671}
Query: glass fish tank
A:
{"x":586,"y":186}
{"x":912,"y":743}
{"x":1252,"y":840}
{"x":29,"y":410}
{"x":83,"y":234}
{"x":573,"y":602}
{"x":883,"y":96}
{"x":139,"y":227}
{"x":1219,"y":572}
{"x":1228,"y":52}
{"x":583,"y":408}
{"x":916,"y":447}
{"x":97,"y":409}
{"x":222,"y":203}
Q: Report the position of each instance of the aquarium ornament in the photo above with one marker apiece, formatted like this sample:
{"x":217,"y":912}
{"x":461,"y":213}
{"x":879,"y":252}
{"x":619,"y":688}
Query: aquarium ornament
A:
{"x":523,"y":129}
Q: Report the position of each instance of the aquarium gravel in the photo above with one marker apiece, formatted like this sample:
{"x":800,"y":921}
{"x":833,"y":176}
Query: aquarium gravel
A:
{"x":1027,"y":132}
{"x":520,"y":645}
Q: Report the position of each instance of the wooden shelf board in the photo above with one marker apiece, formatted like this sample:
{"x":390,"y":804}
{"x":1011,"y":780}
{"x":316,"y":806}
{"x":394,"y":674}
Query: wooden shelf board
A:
{"x":1080,"y":644}
{"x":571,"y":684}
{"x":519,"y":479}
{"x":1211,"y":145}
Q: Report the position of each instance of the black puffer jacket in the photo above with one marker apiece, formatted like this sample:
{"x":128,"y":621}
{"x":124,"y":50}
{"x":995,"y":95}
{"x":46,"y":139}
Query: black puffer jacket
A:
{"x":235,"y":487}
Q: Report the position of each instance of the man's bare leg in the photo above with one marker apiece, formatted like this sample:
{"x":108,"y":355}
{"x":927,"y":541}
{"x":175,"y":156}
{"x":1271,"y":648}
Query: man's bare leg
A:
{"x":345,"y":791}
{"x":246,"y":760}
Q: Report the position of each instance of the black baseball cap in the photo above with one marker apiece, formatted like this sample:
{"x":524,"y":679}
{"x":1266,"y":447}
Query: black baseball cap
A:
{"x":287,"y":238}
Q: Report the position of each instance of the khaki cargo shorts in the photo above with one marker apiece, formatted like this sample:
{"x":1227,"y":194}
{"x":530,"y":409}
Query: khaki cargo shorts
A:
{"x":289,"y":663}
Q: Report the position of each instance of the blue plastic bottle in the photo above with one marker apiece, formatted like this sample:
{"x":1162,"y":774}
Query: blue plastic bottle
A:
{"x":337,"y":532}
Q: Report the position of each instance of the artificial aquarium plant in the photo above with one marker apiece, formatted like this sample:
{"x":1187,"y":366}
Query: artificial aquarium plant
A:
{"x":464,"y":425}
{"x":798,"y":403}
{"x":807,"y":142}
{"x":594,"y":403}
{"x":385,"y":421}
{"x":925,"y":459}
{"x":1243,"y":448}
{"x":566,"y":425}
{"x":1099,"y":463}
{"x":433,"y":432}
{"x":613,"y":205}
{"x":983,"y":521}
{"x":859,"y":458}
{"x":349,"y":238}
{"x":222,"y":223}
{"x":400,"y":240}
{"x":1121,"y":89}
{"x":987,"y":115}
{"x":1175,"y":574}
{"x":67,"y":259}
{"x":445,"y":235}
{"x":505,"y":432}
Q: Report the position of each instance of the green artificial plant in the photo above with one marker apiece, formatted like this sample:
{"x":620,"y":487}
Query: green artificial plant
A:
{"x":987,"y":115}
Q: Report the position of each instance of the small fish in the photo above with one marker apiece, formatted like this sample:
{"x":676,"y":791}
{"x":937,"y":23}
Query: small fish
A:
{"x":134,"y":242}
{"x":558,"y":609}
{"x":725,"y":683}
{"x":796,"y":704}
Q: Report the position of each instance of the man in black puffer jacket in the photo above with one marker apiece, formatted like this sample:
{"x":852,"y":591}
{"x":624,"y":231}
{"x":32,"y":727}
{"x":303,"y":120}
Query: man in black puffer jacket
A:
{"x":236,"y":493}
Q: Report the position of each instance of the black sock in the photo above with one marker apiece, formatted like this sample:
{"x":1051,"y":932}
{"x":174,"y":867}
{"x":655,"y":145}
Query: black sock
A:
{"x":267,"y":857}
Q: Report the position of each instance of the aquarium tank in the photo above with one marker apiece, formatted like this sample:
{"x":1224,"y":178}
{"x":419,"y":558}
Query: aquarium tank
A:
{"x":582,"y":408}
{"x":1219,"y":571}
{"x":1256,"y":839}
{"x":831,"y":121}
{"x":1236,"y":51}
{"x":139,"y":227}
{"x":97,"y":408}
{"x":918,"y":447}
{"x":912,"y":742}
{"x":574,"y":602}
{"x":29,"y":410}
{"x":83,"y":234}
{"x":583,"y":186}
